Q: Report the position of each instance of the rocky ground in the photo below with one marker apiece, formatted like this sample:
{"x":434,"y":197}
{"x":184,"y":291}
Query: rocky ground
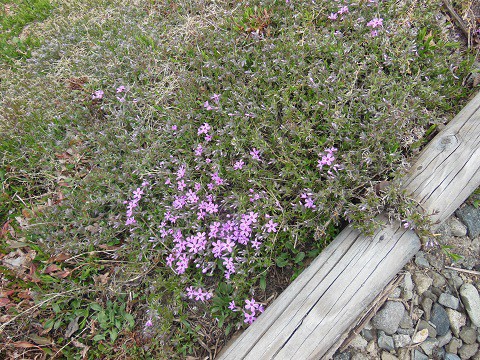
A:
{"x":434,"y":312}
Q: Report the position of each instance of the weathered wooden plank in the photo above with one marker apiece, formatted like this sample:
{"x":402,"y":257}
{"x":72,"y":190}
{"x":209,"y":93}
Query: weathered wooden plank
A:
{"x":297,"y":324}
{"x":448,"y":170}
{"x":310,"y":316}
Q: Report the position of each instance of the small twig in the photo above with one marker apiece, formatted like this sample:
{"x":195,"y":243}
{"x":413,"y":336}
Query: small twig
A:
{"x":459,"y":21}
{"x":472,"y":272}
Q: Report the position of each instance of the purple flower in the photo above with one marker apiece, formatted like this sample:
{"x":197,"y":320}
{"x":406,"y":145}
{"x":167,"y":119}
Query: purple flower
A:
{"x":271,"y":226}
{"x":333,"y":16}
{"x":215,"y":98}
{"x":198,"y":150}
{"x":98,"y":95}
{"x":120,"y":89}
{"x":204,"y":129}
{"x":375,"y":23}
{"x":149,"y":323}
{"x":232,"y":306}
{"x":343,"y":10}
{"x":255,"y":154}
{"x":238,"y":165}
{"x":207,"y":106}
{"x":249,"y":318}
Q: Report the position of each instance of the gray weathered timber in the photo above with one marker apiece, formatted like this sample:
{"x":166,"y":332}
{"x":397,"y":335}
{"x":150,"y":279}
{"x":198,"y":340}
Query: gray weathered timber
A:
{"x":448,"y":169}
{"x":308,"y":319}
{"x":312,"y":313}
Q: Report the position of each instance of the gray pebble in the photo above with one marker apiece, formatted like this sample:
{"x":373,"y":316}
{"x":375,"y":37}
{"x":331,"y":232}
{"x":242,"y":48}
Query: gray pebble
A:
{"x":342,"y":356}
{"x":449,"y":301}
{"x":368,"y":334}
{"x":438,"y":280}
{"x":468,"y":335}
{"x":432,"y":332}
{"x":359,"y":356}
{"x":471,"y":301}
{"x":445,"y":339}
{"x":457,"y":228}
{"x":388,"y":356}
{"x":453,"y":346}
{"x":389,"y":317}
{"x":422,"y":282}
{"x":418,"y":355}
{"x":427,"y":304}
{"x":470,"y":216}
{"x":358,"y":342}
{"x":385,"y":342}
{"x":440,"y":319}
{"x":467,"y":351}
{"x":395,"y":294}
{"x":421,"y":261}
{"x":450,"y":356}
{"x":401,"y":341}
{"x":457,"y":320}
{"x":406,"y":322}
{"x":428,"y":346}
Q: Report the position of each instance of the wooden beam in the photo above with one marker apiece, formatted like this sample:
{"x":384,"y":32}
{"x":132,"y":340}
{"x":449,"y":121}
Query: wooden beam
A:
{"x":309,"y":319}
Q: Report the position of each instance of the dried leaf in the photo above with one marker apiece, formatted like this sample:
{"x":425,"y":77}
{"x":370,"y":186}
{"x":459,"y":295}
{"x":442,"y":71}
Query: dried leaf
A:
{"x":62,"y":274}
{"x":24,"y":345}
{"x":4,"y":301}
{"x":40,"y":340}
{"x":51,"y":268}
{"x":72,"y":327}
{"x":59,"y":258}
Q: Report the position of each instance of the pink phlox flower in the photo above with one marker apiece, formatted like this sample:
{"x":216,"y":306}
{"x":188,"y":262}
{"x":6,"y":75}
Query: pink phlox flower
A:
{"x":229,"y":245}
{"x":228,"y":262}
{"x":181,"y":185}
{"x":170,"y":259}
{"x":375,"y":23}
{"x":182,"y":264}
{"x":374,"y":33}
{"x":191,"y":292}
{"x":179,"y":202}
{"x":218,"y":247}
{"x":249,"y":318}
{"x":215,"y":98}
{"x":217,"y":179}
{"x":333,"y":16}
{"x":212,"y":208}
{"x":168,"y":182}
{"x":207,"y":106}
{"x":192,"y":197}
{"x":121,"y":89}
{"x":201,"y":295}
{"x":97,"y":95}
{"x":181,"y":246}
{"x":201,"y":214}
{"x":174,"y":127}
{"x":145,"y":183}
{"x":256,"y":244}
{"x":253,"y":217}
{"x":343,"y":10}
{"x":204,"y":129}
{"x":208,"y":138}
{"x":197,"y":186}
{"x":251,"y":305}
{"x":121,"y":99}
{"x":198,"y":150}
{"x":238,"y":165}
{"x":138,"y":193}
{"x":181,"y":172}
{"x":163,"y":233}
{"x":232,"y":306}
{"x":309,"y":204}
{"x":149,"y":323}
{"x":271,"y":226}
{"x":261,"y":309}
{"x":255,"y":154}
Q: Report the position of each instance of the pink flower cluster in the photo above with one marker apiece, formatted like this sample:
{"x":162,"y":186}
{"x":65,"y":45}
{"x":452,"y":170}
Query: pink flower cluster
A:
{"x":308,"y":202}
{"x":198,"y":294}
{"x":251,"y":311}
{"x":328,"y":159}
{"x":132,"y":204}
{"x":97,"y":95}
{"x":374,"y":24}
{"x":341,"y":11}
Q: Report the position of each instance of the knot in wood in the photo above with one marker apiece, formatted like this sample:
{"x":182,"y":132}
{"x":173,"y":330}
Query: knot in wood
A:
{"x":447,"y":142}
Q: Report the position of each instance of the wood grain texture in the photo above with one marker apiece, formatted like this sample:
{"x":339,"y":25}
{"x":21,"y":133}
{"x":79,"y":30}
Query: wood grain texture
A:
{"x":311,"y":315}
{"x":448,"y":170}
{"x":316,"y":308}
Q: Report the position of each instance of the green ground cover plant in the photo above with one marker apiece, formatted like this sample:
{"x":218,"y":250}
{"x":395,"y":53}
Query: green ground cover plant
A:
{"x":168,"y":167}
